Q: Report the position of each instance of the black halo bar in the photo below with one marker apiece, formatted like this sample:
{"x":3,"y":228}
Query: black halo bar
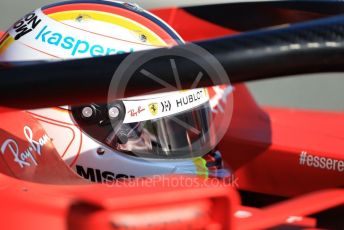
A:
{"x":310,"y":47}
{"x":247,"y":15}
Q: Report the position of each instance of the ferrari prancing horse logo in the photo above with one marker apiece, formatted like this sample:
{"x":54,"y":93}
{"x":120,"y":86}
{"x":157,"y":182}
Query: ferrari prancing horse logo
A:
{"x":153,"y":108}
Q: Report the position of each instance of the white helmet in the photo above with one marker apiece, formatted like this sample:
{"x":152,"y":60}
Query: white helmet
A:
{"x":132,"y":137}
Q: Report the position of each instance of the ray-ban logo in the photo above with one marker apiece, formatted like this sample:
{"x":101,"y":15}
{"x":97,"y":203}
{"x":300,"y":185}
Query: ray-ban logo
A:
{"x":26,"y":157}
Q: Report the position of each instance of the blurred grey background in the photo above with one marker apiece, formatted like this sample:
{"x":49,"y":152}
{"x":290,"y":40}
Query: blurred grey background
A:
{"x":309,"y":92}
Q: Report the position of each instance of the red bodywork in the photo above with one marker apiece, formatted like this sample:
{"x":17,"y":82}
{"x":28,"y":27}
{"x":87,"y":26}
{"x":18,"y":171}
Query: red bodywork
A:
{"x":262,"y":147}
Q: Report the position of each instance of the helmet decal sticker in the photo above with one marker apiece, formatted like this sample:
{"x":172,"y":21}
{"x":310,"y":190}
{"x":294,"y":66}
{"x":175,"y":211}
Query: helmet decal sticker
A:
{"x":162,"y":105}
{"x":153,"y":108}
{"x":26,"y":25}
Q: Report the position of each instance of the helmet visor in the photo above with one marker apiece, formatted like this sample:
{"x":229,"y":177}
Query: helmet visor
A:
{"x":170,"y":125}
{"x":183,"y":135}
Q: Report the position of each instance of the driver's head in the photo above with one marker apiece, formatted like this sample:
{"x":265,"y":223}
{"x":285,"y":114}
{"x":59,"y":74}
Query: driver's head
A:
{"x":146,"y":135}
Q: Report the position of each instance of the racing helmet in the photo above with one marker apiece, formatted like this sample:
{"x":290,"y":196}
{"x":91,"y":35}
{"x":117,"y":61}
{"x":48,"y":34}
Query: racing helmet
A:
{"x":154,"y":134}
